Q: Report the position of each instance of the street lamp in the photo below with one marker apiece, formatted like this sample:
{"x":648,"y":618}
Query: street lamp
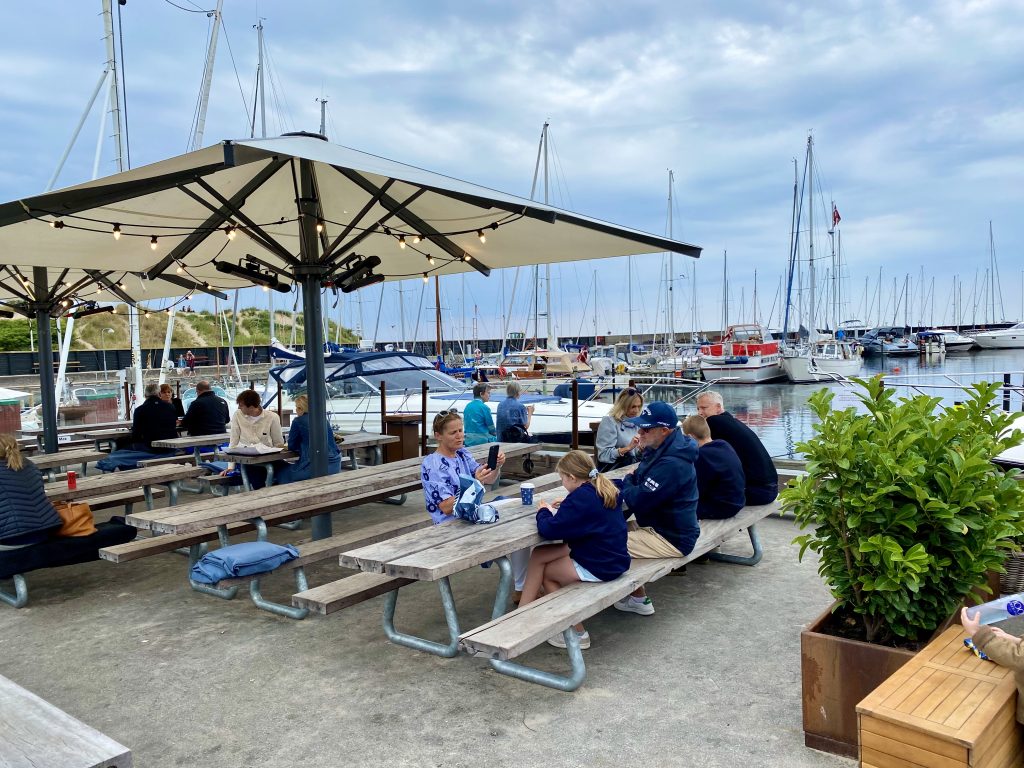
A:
{"x":103,"y":346}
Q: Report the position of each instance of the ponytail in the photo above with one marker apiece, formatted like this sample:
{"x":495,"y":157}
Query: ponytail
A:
{"x":10,"y":452}
{"x":579,"y":465}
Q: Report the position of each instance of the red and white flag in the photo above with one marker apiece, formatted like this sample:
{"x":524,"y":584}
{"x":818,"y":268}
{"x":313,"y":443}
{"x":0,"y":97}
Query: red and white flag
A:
{"x":836,"y":218}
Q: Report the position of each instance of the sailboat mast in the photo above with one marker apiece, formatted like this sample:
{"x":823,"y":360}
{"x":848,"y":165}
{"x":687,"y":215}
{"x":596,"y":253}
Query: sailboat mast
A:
{"x":629,"y":292}
{"x":437,"y":314}
{"x":259,"y":80}
{"x":812,"y":330}
{"x":550,"y":343}
{"x":671,"y":274}
{"x":204,"y":93}
{"x":725,"y":292}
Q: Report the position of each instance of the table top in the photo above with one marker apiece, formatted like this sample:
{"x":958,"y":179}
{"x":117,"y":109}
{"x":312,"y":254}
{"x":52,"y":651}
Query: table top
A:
{"x":73,"y":428}
{"x":62,"y":459}
{"x":113,"y":482}
{"x":208,"y":513}
{"x":365,"y":440}
{"x":262,"y":458}
{"x":103,"y":434}
{"x":190,"y":441}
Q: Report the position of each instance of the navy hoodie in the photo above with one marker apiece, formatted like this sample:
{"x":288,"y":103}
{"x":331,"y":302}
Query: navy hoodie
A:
{"x":720,"y":481}
{"x":662,"y":491}
{"x":596,"y":535}
{"x":758,"y":466}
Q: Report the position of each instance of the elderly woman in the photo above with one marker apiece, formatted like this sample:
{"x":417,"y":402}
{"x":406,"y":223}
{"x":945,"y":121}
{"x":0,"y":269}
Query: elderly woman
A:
{"x":514,"y":417}
{"x":617,"y":441}
{"x":477,"y":417}
{"x":299,"y":442}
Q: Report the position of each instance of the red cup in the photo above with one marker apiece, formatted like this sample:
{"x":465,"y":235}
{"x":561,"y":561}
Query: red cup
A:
{"x":72,"y":480}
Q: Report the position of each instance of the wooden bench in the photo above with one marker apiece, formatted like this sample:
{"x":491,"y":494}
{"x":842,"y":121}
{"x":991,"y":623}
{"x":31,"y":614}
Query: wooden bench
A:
{"x":36,"y":733}
{"x":356,"y":588}
{"x":508,"y":636}
{"x":124,"y":498}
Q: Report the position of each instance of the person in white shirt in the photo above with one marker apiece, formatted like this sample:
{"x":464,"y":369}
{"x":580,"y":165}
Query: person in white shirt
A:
{"x":252,"y":424}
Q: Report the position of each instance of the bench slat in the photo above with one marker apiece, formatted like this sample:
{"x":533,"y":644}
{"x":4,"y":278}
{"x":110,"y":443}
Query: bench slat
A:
{"x":159,"y":461}
{"x":124,"y":497}
{"x":346,"y":592}
{"x":520,"y":630}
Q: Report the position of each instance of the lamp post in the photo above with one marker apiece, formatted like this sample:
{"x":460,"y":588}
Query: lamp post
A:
{"x":103,"y":346}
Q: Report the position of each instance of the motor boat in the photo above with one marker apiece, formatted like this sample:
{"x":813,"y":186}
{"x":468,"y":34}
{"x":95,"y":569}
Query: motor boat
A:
{"x":355,"y":381}
{"x":888,"y":340}
{"x":954,"y":341}
{"x":1004,"y":338}
{"x":826,"y":359}
{"x":746,"y":354}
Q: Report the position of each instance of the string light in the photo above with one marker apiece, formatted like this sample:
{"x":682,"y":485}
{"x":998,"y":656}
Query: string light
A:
{"x":153,"y":242}
{"x":206,"y":284}
{"x":57,"y":224}
{"x":387,"y":231}
{"x":416,"y":239}
{"x":426,"y":277}
{"x":230,"y":232}
{"x":122,"y":286}
{"x":319,"y":226}
{"x":481,"y":235}
{"x":266,"y":289}
{"x":66,"y":303}
{"x":401,"y":242}
{"x":465,"y":257}
{"x":117,"y":231}
{"x":430,"y":260}
{"x":180,"y":269}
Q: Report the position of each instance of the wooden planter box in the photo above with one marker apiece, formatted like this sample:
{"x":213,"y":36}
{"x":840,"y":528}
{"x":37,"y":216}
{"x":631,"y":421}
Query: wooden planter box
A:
{"x":836,"y":674}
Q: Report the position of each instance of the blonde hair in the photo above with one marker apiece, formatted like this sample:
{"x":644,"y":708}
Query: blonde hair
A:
{"x":623,"y":402}
{"x":579,"y":465}
{"x":442,"y":419}
{"x":697,"y":427}
{"x":10,"y":452}
{"x":301,"y":404}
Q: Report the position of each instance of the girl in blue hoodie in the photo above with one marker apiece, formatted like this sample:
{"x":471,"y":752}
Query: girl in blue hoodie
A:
{"x":590,"y":522}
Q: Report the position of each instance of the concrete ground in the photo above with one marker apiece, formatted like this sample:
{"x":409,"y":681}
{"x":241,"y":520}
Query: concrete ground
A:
{"x":184,"y":679}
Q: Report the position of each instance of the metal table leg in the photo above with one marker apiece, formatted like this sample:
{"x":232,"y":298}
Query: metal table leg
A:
{"x":449,"y":651}
{"x":245,"y":478}
{"x":147,"y":491}
{"x":20,"y":596}
{"x":754,"y":559}
{"x":172,"y":493}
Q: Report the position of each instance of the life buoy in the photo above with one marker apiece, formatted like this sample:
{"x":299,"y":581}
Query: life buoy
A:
{"x":502,"y":372}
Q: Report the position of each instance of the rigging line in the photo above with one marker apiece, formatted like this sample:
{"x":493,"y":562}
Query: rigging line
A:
{"x":124,"y":90}
{"x":279,"y":94}
{"x":187,"y":10}
{"x":561,"y":182}
{"x":231,"y":55}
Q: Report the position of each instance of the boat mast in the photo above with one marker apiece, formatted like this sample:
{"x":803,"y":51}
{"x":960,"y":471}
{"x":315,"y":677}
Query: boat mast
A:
{"x":550,"y":343}
{"x":812,"y":331}
{"x":671,"y":273}
{"x":725,"y":292}
{"x":204,"y":93}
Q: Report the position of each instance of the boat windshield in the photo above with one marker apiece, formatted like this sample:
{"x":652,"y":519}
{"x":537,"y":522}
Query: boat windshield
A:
{"x":357,"y":375}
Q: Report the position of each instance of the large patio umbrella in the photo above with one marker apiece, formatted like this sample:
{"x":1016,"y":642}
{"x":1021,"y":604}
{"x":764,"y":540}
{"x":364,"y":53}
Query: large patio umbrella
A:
{"x":293,"y":209}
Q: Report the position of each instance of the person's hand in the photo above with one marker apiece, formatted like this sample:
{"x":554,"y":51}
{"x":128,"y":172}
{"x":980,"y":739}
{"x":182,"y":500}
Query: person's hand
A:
{"x":997,"y":632}
{"x":634,"y":443}
{"x":487,"y":476}
{"x":501,"y":458}
{"x":556,"y":503}
{"x":224,"y":473}
{"x":971,"y":626}
{"x":529,"y":408}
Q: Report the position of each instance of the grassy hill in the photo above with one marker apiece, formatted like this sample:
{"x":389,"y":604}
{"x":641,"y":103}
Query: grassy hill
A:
{"x":191,"y":329}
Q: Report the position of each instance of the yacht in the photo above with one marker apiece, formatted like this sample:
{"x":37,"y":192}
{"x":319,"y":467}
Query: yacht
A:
{"x":826,"y":359}
{"x":954,"y":341}
{"x":747,"y":354}
{"x":355,"y":381}
{"x":1004,"y":338}
{"x":888,"y":340}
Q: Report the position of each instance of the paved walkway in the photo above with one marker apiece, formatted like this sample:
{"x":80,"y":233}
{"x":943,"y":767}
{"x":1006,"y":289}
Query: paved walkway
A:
{"x":712,"y":679}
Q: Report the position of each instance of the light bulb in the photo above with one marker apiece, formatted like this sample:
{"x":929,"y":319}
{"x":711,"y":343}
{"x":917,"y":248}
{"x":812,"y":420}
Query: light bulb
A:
{"x":266,"y":289}
{"x":319,"y":226}
{"x":122,"y":286}
{"x":117,"y":231}
{"x":465,"y":257}
{"x":426,"y":278}
{"x":167,"y":311}
{"x":230,"y":232}
{"x":152,"y":242}
{"x":57,"y":224}
{"x":481,"y":235}
{"x":65,"y":303}
{"x":401,"y":242}
{"x":430,"y":260}
{"x":416,"y":239}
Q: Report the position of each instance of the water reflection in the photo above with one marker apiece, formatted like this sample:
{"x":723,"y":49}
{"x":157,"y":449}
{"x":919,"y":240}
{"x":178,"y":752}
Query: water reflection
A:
{"x":778,"y":412}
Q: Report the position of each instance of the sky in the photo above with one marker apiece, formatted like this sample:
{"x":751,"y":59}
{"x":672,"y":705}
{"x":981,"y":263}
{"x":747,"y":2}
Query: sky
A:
{"x":915,"y":110}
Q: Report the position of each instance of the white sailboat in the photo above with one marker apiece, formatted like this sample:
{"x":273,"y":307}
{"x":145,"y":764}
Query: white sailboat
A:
{"x":821,"y":358}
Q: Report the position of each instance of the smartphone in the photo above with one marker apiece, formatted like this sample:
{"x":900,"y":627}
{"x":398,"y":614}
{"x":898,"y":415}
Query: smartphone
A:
{"x":492,"y":456}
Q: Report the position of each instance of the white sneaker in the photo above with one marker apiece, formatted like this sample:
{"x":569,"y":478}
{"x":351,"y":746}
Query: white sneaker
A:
{"x":559,"y":640}
{"x":641,"y":605}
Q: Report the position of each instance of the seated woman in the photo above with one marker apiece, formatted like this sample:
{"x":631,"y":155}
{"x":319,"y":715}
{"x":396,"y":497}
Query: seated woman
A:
{"x":251,"y":424}
{"x":590,"y":522}
{"x":477,"y":416}
{"x":299,"y":442}
{"x":617,"y":441}
{"x":29,"y":523}
{"x":514,"y":417}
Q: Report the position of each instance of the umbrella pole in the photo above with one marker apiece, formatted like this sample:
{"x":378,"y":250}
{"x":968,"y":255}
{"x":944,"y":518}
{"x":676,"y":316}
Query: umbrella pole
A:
{"x":309,"y":275}
{"x":47,"y":393}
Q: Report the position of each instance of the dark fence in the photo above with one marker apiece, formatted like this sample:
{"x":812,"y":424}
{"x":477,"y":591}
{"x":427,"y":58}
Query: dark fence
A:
{"x":26,"y":363}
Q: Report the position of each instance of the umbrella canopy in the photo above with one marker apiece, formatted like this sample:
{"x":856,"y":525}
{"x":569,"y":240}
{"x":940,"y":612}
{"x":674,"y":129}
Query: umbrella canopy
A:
{"x":278,"y":212}
{"x":11,"y":394}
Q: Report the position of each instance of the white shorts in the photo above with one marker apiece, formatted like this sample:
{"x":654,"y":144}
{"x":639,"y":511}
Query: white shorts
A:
{"x":583,"y":573}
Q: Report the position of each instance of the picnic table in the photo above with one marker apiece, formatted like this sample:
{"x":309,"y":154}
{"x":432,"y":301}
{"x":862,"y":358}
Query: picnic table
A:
{"x":195,"y":443}
{"x":168,"y":474}
{"x":374,"y":440}
{"x":49,"y":463}
{"x":267,"y":460}
{"x":74,"y":429}
{"x":109,"y":436}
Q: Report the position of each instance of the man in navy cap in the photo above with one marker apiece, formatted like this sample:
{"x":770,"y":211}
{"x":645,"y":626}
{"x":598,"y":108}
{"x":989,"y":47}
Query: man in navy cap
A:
{"x":661,"y":493}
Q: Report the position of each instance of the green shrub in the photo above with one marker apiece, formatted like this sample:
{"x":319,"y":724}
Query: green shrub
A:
{"x":907,"y":510}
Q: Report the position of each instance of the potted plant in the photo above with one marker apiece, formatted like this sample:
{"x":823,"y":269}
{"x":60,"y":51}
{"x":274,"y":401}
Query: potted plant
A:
{"x":908,"y":515}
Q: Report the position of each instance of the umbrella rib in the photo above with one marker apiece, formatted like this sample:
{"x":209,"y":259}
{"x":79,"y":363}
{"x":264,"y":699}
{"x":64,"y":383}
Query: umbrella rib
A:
{"x":372,"y":230}
{"x":415,"y":221}
{"x":220,"y":215}
{"x":71,"y":291}
{"x":193,"y":285}
{"x":329,"y":251}
{"x":264,"y":237}
{"x":101,"y":279}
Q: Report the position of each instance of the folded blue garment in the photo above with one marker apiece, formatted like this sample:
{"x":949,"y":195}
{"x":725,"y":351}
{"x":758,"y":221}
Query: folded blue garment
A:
{"x":241,"y":560}
{"x":125,"y":459}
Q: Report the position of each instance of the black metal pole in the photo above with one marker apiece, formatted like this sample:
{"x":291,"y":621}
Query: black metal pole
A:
{"x":47,"y":394}
{"x":309,"y":275}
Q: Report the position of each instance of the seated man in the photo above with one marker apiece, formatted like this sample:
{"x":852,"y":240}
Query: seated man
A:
{"x":662,"y":493}
{"x":513,"y":417}
{"x":720,"y":478}
{"x":154,"y":419}
{"x":758,"y":468}
{"x":208,"y":414}
{"x":477,"y":417}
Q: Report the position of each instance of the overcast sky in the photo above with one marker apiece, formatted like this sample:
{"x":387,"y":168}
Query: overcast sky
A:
{"x":917,"y":118}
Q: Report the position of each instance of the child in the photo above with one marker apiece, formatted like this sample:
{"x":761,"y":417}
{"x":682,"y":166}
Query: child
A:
{"x":1002,"y":648}
{"x":590,"y":522}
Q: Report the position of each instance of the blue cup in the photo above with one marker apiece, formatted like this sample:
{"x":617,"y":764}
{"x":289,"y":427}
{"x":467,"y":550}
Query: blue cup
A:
{"x":526,"y":493}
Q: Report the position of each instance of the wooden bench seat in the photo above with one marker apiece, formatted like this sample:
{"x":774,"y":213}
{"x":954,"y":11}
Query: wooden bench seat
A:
{"x":124,"y":498}
{"x":518,"y":631}
{"x":346,"y":592}
{"x":161,"y":460}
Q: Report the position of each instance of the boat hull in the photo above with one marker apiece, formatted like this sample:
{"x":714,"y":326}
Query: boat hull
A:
{"x":804,"y":369}
{"x":1008,"y":341}
{"x":753,"y":371}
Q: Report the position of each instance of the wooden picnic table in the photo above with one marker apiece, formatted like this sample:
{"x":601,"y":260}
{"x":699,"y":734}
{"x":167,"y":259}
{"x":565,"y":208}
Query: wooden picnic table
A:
{"x":435,"y":553}
{"x":48,"y":463}
{"x":267,"y":460}
{"x":112,"y":482}
{"x":108,"y":436}
{"x":194,"y":442}
{"x":76,"y":429}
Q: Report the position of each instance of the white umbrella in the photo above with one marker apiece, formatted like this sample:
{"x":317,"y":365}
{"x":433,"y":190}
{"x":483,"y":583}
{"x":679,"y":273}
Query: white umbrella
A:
{"x":11,"y":394}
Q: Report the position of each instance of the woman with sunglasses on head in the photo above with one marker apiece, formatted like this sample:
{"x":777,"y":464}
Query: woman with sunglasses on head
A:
{"x":617,"y":441}
{"x":441,"y":469}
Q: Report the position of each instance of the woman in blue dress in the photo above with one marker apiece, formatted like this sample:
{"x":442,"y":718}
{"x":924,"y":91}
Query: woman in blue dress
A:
{"x":299,"y":442}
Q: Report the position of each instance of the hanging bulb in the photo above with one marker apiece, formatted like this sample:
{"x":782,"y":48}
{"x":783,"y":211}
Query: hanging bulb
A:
{"x":180,"y":268}
{"x":401,"y":242}
{"x":145,"y":314}
{"x":65,"y":303}
{"x":416,"y":239}
{"x":206,"y":285}
{"x":465,"y":257}
{"x":167,"y":311}
{"x":122,"y":286}
{"x":117,"y":231}
{"x":319,"y":226}
{"x":430,"y":260}
{"x":266,"y":289}
{"x":230,"y":232}
{"x":481,"y":235}
{"x":426,"y":277}
{"x":57,"y":224}
{"x":153,"y":242}
{"x":387,"y":231}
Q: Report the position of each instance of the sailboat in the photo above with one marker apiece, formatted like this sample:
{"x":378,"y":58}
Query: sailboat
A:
{"x":820,"y":358}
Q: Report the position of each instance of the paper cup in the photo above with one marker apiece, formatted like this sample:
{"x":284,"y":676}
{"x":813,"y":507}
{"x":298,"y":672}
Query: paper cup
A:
{"x":526,"y":493}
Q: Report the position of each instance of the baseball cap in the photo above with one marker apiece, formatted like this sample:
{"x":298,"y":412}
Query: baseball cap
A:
{"x":656,"y":414}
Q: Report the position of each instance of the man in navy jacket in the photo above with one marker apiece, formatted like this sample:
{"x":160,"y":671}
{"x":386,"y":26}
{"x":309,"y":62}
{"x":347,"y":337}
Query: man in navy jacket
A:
{"x":661,"y":493}
{"x":720,"y":477}
{"x":758,"y":467}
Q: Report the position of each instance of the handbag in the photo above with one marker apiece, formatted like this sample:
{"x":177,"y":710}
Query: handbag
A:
{"x":77,"y":517}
